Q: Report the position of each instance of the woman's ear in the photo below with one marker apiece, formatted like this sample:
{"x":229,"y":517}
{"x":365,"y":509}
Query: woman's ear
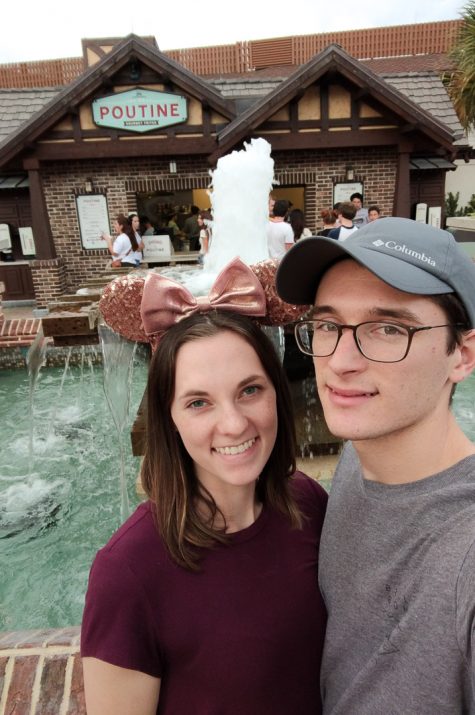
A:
{"x":465,"y":363}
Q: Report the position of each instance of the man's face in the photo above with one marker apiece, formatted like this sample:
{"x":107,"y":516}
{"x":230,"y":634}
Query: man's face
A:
{"x":357,"y":203}
{"x":363,"y":399}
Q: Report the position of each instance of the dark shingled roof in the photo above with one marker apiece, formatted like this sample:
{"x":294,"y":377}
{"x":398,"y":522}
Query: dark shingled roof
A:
{"x":427,"y":90}
{"x":18,"y":105}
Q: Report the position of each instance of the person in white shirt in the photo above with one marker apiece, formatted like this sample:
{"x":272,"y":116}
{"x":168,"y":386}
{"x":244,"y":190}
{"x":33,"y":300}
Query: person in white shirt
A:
{"x":280,"y":236}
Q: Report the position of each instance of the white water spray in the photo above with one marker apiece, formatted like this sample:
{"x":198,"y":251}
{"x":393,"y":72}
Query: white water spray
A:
{"x":241,"y":184}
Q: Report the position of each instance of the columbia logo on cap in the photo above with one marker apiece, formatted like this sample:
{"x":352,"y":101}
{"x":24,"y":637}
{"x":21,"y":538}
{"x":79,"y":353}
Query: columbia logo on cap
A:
{"x":402,"y":248}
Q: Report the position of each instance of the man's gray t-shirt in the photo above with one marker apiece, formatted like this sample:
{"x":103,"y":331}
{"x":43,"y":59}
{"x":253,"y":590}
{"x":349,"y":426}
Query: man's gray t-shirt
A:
{"x":398,"y":578}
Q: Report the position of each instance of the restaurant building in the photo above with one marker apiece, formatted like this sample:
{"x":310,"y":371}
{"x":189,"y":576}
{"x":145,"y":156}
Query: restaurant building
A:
{"x":136,"y":130}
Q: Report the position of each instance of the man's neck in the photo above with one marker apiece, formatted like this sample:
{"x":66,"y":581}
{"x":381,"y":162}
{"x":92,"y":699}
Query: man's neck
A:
{"x":277,"y":219}
{"x":346,"y":222}
{"x":410,"y":455}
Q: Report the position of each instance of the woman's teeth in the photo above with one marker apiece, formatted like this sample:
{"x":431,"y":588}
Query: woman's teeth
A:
{"x":237,"y":449}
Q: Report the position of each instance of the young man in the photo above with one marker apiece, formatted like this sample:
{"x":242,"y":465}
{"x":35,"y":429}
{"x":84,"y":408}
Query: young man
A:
{"x":374,"y":212}
{"x":280,"y":236}
{"x":346,"y":213}
{"x":392,"y":333}
{"x":361,"y":217}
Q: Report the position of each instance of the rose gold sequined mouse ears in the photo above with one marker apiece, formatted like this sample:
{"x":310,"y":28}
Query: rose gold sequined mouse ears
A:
{"x":166,"y":302}
{"x":251,"y":287}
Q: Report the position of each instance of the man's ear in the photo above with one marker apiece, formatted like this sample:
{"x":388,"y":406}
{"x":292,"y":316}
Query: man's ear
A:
{"x":465,"y":363}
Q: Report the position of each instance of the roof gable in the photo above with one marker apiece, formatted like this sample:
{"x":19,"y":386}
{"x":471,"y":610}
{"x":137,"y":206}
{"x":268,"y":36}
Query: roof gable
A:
{"x":101,"y":77}
{"x":331,"y":64}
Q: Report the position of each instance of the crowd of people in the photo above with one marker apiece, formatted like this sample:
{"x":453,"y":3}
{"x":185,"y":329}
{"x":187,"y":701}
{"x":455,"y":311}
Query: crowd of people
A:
{"x":285,"y":226}
{"x":130,"y":233}
{"x":339,"y":222}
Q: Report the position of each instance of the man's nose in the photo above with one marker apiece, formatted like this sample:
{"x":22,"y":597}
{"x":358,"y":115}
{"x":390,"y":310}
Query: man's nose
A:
{"x":347,"y":356}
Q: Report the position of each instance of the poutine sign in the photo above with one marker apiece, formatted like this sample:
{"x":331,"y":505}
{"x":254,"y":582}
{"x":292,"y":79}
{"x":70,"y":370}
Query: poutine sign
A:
{"x":139,"y":110}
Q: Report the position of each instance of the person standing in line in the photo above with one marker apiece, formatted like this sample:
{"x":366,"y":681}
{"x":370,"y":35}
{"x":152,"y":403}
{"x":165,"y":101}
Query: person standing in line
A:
{"x":123,"y":247}
{"x":374,"y":212}
{"x":392,"y":333}
{"x":361,"y":216}
{"x":134,"y":226}
{"x":297,"y":221}
{"x":329,"y":220}
{"x":280,"y":236}
{"x":345,"y":214}
{"x":206,"y":600}
{"x":205,"y":220}
{"x":191,"y":228}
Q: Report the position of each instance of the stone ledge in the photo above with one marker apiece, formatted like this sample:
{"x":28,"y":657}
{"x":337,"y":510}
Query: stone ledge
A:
{"x":41,"y":672}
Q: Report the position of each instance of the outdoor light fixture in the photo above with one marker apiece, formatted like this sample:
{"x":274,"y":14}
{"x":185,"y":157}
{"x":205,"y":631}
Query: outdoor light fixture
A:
{"x":350,"y":173}
{"x":173,"y":167}
{"x":88,"y":186}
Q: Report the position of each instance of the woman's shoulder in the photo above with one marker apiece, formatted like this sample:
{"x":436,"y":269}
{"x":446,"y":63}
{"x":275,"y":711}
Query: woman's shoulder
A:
{"x":136,"y":533}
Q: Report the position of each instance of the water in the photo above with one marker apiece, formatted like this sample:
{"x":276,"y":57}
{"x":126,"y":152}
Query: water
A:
{"x":241,"y":184}
{"x":45,"y":555}
{"x":56,"y":512}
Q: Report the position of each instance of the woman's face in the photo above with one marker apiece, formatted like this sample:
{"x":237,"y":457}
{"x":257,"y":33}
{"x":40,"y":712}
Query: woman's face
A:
{"x":224,"y":408}
{"x":117,"y":227}
{"x":135,"y":223}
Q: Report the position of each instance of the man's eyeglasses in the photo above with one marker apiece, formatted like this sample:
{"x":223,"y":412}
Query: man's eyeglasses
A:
{"x":378,"y":341}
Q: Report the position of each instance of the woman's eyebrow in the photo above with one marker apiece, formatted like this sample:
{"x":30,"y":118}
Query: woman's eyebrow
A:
{"x":204,"y":393}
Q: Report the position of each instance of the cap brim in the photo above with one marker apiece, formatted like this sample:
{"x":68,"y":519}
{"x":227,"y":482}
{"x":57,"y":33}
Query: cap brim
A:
{"x":303,"y":266}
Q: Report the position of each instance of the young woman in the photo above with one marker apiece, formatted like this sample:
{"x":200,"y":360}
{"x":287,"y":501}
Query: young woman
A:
{"x":206,"y":600}
{"x":297,"y":221}
{"x":205,"y":220}
{"x":329,"y":219}
{"x":134,"y":226}
{"x":123,"y":247}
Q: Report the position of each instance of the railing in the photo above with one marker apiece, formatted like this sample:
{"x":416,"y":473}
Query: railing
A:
{"x":241,"y":57}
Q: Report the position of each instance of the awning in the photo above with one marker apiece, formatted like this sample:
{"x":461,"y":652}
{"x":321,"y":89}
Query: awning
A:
{"x":431,"y":162}
{"x":18,"y":181}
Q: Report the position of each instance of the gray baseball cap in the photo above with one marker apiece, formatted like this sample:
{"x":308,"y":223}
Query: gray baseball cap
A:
{"x":410,"y":256}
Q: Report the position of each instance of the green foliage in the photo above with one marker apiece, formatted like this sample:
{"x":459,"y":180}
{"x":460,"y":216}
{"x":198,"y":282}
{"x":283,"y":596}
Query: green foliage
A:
{"x":461,"y":86}
{"x":470,"y":207}
{"x":452,"y":205}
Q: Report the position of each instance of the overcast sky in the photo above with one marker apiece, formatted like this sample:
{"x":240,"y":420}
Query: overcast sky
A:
{"x":47,"y":29}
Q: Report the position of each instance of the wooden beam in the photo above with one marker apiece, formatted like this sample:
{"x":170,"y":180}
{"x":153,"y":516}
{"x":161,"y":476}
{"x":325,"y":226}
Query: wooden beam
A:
{"x":45,"y":247}
{"x":402,"y":191}
{"x":117,"y":149}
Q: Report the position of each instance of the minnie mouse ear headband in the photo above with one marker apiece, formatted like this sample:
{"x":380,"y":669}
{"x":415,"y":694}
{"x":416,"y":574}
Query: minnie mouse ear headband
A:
{"x":141,"y":305}
{"x":166,"y":302}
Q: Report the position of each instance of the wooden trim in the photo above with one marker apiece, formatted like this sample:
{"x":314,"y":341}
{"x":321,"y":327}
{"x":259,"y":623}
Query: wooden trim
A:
{"x":116,"y":149}
{"x":45,"y":248}
{"x":402,"y":196}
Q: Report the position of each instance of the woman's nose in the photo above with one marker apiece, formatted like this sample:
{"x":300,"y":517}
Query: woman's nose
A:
{"x":232,"y":420}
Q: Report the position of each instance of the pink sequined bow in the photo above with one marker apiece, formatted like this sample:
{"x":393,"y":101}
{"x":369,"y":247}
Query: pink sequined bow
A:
{"x":166,"y":302}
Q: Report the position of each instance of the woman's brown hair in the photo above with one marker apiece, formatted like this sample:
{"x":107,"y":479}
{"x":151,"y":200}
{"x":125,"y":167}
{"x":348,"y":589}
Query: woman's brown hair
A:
{"x":168,"y":475}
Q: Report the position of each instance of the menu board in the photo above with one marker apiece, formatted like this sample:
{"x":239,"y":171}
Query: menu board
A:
{"x":27,"y":241}
{"x":343,"y":191}
{"x":93,"y":217}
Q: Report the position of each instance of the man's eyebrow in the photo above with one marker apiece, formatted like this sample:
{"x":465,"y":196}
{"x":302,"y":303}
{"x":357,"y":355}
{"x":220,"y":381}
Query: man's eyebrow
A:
{"x":394,"y":313}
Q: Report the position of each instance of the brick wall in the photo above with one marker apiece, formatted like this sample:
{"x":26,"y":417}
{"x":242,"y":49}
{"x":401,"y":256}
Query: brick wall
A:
{"x":41,"y":673}
{"x":49,"y":279}
{"x":318,"y":171}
